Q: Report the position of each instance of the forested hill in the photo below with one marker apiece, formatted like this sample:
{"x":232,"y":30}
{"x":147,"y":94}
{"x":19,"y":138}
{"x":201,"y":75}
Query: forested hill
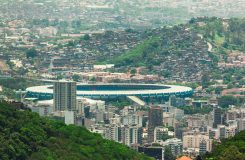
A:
{"x":24,"y":135}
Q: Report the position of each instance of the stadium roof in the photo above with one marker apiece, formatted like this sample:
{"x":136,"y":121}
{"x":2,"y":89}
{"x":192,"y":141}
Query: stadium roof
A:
{"x":47,"y":89}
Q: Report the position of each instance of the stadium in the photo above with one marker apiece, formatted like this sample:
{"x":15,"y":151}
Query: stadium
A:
{"x":146,"y":92}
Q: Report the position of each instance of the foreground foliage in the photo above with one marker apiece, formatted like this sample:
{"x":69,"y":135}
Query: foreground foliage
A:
{"x":229,"y":149}
{"x":24,"y":135}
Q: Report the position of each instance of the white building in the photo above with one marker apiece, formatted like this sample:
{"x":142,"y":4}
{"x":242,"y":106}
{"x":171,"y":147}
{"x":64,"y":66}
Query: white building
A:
{"x":93,"y":104}
{"x":99,"y":116}
{"x":113,"y":133}
{"x":131,"y":135}
{"x":132,"y":120}
{"x":43,"y":108}
{"x":230,"y":131}
{"x":175,"y":145}
{"x":235,"y":113}
{"x":70,"y":117}
{"x":193,"y":140}
{"x":241,"y":124}
{"x":116,"y":119}
{"x":168,"y":119}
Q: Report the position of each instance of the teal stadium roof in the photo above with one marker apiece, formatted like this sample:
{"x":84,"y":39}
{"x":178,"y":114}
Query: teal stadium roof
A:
{"x":100,"y":91}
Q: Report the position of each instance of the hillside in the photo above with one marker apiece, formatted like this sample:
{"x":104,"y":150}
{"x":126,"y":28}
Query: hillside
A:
{"x":182,"y":53}
{"x":229,"y":149}
{"x":24,"y":135}
{"x":186,"y":51}
{"x":223,"y":34}
{"x":172,"y":52}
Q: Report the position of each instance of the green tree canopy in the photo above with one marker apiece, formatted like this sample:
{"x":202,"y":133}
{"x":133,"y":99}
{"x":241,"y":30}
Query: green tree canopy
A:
{"x":168,"y":154}
{"x":24,"y":135}
{"x":31,"y":53}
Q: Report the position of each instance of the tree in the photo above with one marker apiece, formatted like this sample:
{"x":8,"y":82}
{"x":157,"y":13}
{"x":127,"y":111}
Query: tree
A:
{"x":205,"y":80}
{"x":59,"y":77}
{"x":71,"y":44}
{"x":166,"y":74}
{"x":192,"y":21}
{"x":86,"y":37}
{"x":166,"y":136}
{"x":76,"y":77}
{"x":31,"y":53}
{"x":198,"y":157}
{"x":26,"y":135}
{"x":218,"y":90}
{"x":10,"y":64}
{"x":231,"y":153}
{"x":22,"y":71}
{"x":93,"y":79}
{"x":133,"y":71}
{"x":168,"y":155}
{"x":225,"y":101}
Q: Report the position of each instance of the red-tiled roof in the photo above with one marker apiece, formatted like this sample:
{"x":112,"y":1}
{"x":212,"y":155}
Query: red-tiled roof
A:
{"x":184,"y":158}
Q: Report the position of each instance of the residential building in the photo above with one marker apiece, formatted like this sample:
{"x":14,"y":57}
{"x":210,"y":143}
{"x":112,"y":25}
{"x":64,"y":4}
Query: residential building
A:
{"x":131,"y":135}
{"x":217,"y":117}
{"x":159,"y":133}
{"x":70,"y":117}
{"x":202,"y":147}
{"x":155,"y":119}
{"x":64,"y":96}
{"x":193,"y":140}
{"x":132,"y":119}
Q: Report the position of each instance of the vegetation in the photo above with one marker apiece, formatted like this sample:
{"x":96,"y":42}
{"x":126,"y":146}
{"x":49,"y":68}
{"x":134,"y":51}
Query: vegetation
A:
{"x":233,"y":76}
{"x":17,"y":83}
{"x":224,"y":34}
{"x":166,"y":136}
{"x":228,"y":149}
{"x":9,"y":93}
{"x":161,"y":47}
{"x":151,"y":52}
{"x":24,"y":135}
{"x":86,"y":37}
{"x":176,"y":43}
{"x":195,"y":110}
{"x":139,"y":52}
{"x":225,"y":101}
{"x":120,"y":103}
{"x":76,"y":78}
{"x":31,"y":53}
{"x":168,"y":154}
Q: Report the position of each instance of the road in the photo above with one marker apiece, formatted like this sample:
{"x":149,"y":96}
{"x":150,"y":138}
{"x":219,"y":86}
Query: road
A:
{"x":210,"y":47}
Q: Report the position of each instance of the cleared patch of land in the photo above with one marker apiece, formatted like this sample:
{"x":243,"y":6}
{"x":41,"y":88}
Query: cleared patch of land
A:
{"x":3,"y":65}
